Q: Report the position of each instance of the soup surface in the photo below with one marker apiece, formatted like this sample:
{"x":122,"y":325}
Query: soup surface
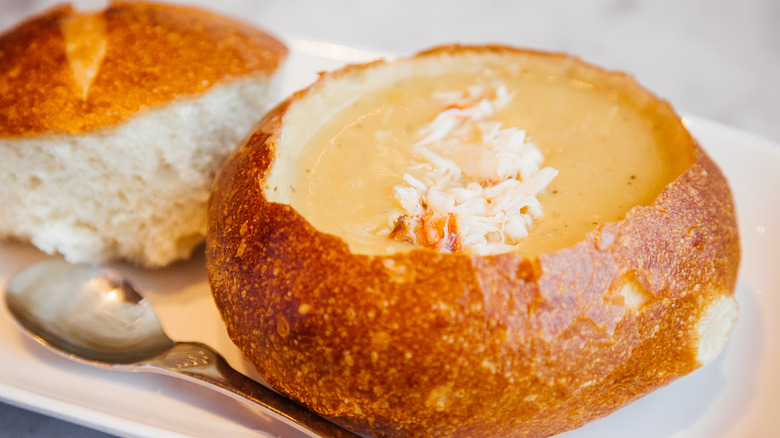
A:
{"x":608,"y":156}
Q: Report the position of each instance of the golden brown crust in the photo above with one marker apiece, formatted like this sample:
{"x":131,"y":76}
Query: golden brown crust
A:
{"x":153,"y":54}
{"x":431,"y":344}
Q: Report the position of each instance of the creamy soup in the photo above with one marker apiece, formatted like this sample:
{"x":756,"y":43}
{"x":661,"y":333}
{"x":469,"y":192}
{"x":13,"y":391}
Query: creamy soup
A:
{"x":608,"y":156}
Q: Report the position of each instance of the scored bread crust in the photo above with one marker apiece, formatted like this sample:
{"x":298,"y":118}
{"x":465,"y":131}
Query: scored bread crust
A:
{"x":114,"y":123}
{"x":431,"y":344}
{"x":154,"y":54}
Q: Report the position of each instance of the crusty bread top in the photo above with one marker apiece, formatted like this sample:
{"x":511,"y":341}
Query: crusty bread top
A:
{"x":63,"y":71}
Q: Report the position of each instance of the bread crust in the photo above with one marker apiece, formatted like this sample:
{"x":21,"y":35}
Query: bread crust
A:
{"x":432,"y":344}
{"x":154,"y":53}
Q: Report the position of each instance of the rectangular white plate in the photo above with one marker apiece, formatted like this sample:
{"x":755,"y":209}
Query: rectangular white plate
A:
{"x":738,"y":395}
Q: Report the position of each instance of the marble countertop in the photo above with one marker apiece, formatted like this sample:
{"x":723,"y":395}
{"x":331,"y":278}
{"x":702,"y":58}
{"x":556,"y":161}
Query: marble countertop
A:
{"x":715,"y":59}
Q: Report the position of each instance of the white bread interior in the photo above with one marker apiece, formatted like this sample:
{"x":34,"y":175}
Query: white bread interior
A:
{"x":137,"y":190}
{"x":714,"y":327}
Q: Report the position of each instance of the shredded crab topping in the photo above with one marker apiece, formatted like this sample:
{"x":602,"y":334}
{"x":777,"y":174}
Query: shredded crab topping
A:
{"x":473,"y":184}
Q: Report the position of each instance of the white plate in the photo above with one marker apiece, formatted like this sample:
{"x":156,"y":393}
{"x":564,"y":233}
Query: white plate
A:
{"x":738,"y":395}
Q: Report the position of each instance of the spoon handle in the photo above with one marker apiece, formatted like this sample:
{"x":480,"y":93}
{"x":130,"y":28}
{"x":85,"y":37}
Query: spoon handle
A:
{"x":199,"y":363}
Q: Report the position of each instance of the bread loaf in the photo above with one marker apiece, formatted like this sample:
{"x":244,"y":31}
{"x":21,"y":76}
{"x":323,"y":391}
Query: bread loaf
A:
{"x":114,"y":123}
{"x":403,"y":338}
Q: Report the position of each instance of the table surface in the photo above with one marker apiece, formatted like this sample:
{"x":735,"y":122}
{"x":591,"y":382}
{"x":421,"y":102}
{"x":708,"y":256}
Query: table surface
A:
{"x":716,"y":59}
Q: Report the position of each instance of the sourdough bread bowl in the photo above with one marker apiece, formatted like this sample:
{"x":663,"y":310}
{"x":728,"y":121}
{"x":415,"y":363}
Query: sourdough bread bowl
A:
{"x":391,"y":333}
{"x":113,"y":124}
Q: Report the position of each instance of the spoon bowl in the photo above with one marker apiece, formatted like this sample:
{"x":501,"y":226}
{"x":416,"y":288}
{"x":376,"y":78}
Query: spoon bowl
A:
{"x":88,"y":313}
{"x":92,"y":314}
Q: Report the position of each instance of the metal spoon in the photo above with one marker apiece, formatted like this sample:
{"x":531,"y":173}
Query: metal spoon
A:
{"x":92,"y":315}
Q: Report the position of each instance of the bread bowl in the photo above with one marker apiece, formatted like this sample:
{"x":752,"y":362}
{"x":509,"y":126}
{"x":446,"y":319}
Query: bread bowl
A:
{"x":113,"y":124}
{"x":374,"y":326}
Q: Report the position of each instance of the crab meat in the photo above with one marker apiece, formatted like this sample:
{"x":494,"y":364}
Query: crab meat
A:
{"x":473,"y":185}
